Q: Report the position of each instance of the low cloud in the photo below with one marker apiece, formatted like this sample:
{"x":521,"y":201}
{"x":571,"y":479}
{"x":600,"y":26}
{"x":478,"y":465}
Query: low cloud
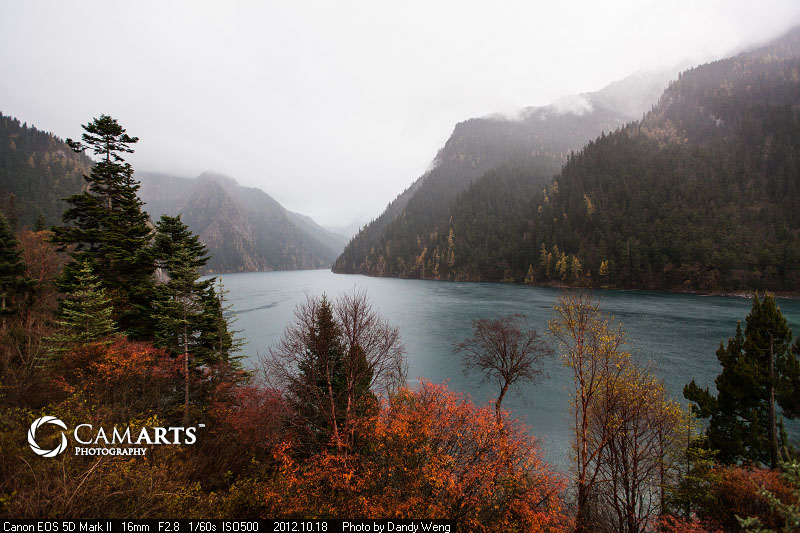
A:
{"x":575,"y":104}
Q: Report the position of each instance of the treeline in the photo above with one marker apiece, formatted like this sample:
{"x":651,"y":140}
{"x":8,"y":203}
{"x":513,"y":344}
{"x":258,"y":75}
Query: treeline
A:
{"x":699,"y":195}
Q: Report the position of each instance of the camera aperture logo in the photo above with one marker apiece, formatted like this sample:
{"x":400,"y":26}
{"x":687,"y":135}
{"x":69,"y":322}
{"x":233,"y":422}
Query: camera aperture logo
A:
{"x":32,"y":436}
{"x":126,"y":441}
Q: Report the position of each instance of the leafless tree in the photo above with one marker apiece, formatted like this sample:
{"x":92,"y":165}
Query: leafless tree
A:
{"x":505,"y":352}
{"x":363,"y":327}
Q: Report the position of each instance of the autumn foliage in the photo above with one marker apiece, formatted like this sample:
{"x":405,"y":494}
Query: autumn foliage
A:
{"x":432,"y":454}
{"x":331,"y":430}
{"x":736,"y":492}
{"x":124,"y":378}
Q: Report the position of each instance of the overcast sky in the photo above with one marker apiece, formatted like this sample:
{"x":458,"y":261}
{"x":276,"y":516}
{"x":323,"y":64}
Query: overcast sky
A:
{"x":335,"y":107}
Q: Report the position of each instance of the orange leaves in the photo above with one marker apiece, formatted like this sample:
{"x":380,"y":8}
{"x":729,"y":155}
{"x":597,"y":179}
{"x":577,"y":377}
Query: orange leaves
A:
{"x":123,"y":378}
{"x":736,"y":493}
{"x":250,"y":412}
{"x":430,"y":453}
{"x":121,"y":361}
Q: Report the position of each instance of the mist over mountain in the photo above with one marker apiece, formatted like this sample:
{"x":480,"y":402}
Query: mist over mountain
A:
{"x":541,"y":139}
{"x":699,"y":195}
{"x":244,"y":228}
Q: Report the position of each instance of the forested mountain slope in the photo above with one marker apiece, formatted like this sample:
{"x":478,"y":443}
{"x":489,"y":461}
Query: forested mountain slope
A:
{"x":244,"y":228}
{"x":540,"y":141}
{"x":701,"y":194}
{"x":37,"y":170}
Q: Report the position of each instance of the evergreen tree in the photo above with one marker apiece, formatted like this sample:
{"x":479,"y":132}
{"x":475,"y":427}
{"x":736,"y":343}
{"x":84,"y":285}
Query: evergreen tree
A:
{"x":86,"y":312}
{"x":329,"y":361}
{"x":318,"y":390}
{"x":41,"y":225}
{"x":217,"y":342}
{"x":107,"y":226}
{"x":188,"y":310}
{"x":759,"y":374}
{"x":14,"y":285}
{"x":172,"y":234}
{"x":177,"y":307}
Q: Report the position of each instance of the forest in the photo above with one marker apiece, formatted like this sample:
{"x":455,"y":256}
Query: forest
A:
{"x":106,"y":320}
{"x":699,"y":195}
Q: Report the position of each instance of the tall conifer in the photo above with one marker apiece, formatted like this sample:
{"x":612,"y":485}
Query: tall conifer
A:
{"x":759,"y":374}
{"x":14,"y":285}
{"x":107,"y":226}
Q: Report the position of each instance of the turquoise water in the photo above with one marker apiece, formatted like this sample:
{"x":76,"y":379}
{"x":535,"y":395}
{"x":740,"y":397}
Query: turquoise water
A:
{"x":678,"y":333}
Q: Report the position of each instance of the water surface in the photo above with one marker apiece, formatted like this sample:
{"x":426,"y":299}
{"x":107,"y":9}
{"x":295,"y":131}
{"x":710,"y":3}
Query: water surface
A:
{"x":678,"y":333}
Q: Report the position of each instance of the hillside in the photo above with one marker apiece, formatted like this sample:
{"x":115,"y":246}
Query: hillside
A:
{"x":37,"y":170}
{"x":244,"y":228}
{"x":700,"y":195}
{"x":540,"y":140}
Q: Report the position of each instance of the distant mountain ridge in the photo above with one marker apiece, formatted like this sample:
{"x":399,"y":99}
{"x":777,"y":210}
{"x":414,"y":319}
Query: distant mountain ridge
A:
{"x":245,"y":228}
{"x":541,"y":140}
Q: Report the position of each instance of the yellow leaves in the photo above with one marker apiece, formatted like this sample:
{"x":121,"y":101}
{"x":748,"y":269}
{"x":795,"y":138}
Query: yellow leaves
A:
{"x":604,"y":268}
{"x":589,"y":205}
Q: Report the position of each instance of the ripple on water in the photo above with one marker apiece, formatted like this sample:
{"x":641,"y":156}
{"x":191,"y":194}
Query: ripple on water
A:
{"x":679,"y":333}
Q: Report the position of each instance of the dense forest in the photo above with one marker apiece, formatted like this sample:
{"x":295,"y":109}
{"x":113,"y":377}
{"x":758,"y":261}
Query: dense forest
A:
{"x":37,"y":170}
{"x":698,"y":195}
{"x":540,"y":139}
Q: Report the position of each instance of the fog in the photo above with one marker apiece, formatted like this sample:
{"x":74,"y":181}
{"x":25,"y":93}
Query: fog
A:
{"x":334,"y":108}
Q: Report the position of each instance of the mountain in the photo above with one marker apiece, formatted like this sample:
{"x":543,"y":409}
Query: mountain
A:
{"x":333,"y":240}
{"x":350,"y":230}
{"x":701,"y":195}
{"x":37,"y":170}
{"x":540,"y":140}
{"x":244,"y":228}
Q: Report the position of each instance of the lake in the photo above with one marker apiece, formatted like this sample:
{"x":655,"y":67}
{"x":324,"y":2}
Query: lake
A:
{"x":679,"y":333}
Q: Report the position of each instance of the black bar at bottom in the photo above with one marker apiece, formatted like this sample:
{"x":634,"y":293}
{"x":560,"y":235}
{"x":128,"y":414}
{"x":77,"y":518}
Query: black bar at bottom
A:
{"x":183,"y":525}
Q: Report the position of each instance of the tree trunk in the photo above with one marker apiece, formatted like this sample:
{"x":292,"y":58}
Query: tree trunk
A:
{"x":581,"y":519}
{"x":336,"y":436}
{"x":499,"y":403}
{"x":773,"y":431}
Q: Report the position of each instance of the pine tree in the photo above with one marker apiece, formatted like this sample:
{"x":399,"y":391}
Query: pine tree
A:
{"x":41,"y":225}
{"x":530,"y":276}
{"x":317,"y":393}
{"x":759,"y":374}
{"x":172,"y":234}
{"x":188,"y":310}
{"x":86,"y":312}
{"x":217,"y":341}
{"x":14,"y":285}
{"x":107,"y":226}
